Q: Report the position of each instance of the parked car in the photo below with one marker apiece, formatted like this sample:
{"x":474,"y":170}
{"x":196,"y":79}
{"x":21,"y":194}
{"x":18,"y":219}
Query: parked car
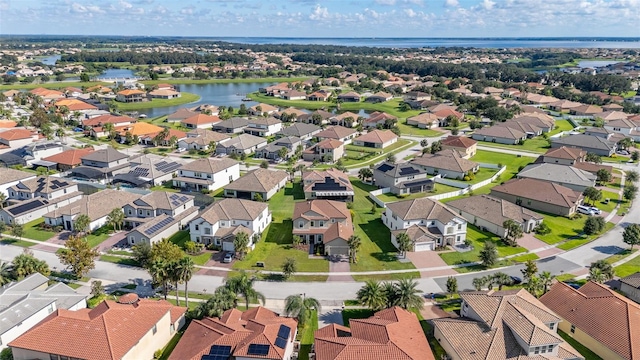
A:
{"x":78,"y":129}
{"x":587,"y":210}
{"x":228,"y":257}
{"x":622,"y":152}
{"x":573,"y":285}
{"x":181,"y":150}
{"x":596,"y":210}
{"x":516,"y":280}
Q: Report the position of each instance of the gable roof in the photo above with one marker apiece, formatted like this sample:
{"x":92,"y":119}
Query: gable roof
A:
{"x":392,"y":333}
{"x":557,"y":173}
{"x":69,"y":157}
{"x":447,"y":159}
{"x":493,"y":210}
{"x":237,"y":330}
{"x":326,"y":209}
{"x":139,"y":128}
{"x":499,"y":131}
{"x":335,"y":132}
{"x":115,"y":329}
{"x":566,"y":152}
{"x":610,"y":318}
{"x":16,"y":134}
{"x":107,"y":118}
{"x":44,"y":184}
{"x":8,"y":175}
{"x":540,"y":190}
{"x":586,"y":141}
{"x":233,"y":209}
{"x":96,"y":205}
{"x":243,"y":141}
{"x":259,"y":180}
{"x":108,"y":154}
{"x":340,"y":180}
{"x":377,"y":136}
{"x":459,"y":141}
{"x":233,"y":123}
{"x":181,"y":114}
{"x":209,"y":165}
{"x":201,"y":119}
{"x":299,"y":129}
{"x":398,"y":170}
{"x":422,"y":208}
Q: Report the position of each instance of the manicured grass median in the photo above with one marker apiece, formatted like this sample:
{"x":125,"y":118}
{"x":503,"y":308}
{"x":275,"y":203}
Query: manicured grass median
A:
{"x":478,"y":238}
{"x":628,"y":268}
{"x":15,"y":242}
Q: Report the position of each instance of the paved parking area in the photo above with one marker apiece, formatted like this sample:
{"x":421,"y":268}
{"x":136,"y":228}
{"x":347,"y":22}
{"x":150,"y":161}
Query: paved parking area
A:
{"x":529,"y":242}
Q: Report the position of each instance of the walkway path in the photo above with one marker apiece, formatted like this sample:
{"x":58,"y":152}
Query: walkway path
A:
{"x":339,"y":265}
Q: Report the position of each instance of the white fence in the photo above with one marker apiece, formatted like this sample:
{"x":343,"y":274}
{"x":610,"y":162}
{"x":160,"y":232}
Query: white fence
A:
{"x":464,"y":186}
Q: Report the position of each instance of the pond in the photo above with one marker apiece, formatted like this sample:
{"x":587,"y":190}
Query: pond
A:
{"x":595,"y":63}
{"x":116,"y":73}
{"x":49,"y":60}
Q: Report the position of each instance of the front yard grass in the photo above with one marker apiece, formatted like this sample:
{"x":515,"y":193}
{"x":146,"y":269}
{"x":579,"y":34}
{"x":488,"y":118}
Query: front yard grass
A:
{"x":524,"y":258}
{"x":387,"y":277}
{"x":583,"y":239}
{"x":180,"y":238}
{"x":537,"y":145}
{"x":630,"y":267}
{"x":348,"y":314}
{"x":306,"y":336}
{"x":33,"y":231}
{"x":438,"y":189}
{"x":478,"y":238}
{"x":355,"y":158}
{"x":416,"y":131}
{"x":583,"y":350}
{"x":99,"y":235}
{"x":561,"y":227}
{"x":614,"y":199}
{"x":512,"y":162}
{"x":119,"y":260}
{"x":16,"y":242}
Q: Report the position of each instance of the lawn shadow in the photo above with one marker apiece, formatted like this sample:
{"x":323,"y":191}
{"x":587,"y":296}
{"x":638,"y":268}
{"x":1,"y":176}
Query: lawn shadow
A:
{"x":610,"y":250}
{"x":379,"y":234}
{"x":296,"y":191}
{"x":280,"y":233}
{"x":273,"y":277}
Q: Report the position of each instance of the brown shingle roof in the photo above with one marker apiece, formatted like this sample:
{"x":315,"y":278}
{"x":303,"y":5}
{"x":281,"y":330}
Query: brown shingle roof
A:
{"x":377,"y":136}
{"x":233,"y":209}
{"x":108,"y":331}
{"x":259,"y":180}
{"x":96,"y":205}
{"x":539,"y":190}
{"x":8,"y":175}
{"x":209,"y":166}
{"x":632,"y":280}
{"x":501,"y":132}
{"x":335,"y":132}
{"x":564,"y":152}
{"x":422,"y":208}
{"x":391,"y":334}
{"x":606,"y":316}
{"x":459,"y":141}
{"x":493,"y":210}
{"x":447,"y":159}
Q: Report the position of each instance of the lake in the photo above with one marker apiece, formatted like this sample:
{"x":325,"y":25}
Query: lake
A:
{"x":49,"y":60}
{"x":595,"y":63}
{"x":116,"y":73}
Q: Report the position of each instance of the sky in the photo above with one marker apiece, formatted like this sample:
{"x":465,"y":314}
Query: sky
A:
{"x":323,"y":18}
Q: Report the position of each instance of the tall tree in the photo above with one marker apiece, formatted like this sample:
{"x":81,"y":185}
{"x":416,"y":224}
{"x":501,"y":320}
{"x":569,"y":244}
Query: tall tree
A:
{"x":404,"y":243}
{"x":436,"y":146}
{"x":365,"y":173}
{"x":221,"y":301}
{"x":115,"y":218}
{"x":501,"y":279}
{"x":241,"y":243}
{"x":408,"y":295}
{"x":5,"y":273}
{"x":603,"y":176}
{"x":478,"y":283}
{"x":17,"y":229}
{"x":26,"y":264}
{"x":289,"y":267}
{"x":242,"y":284}
{"x":530,"y":269}
{"x":166,"y":250}
{"x":81,"y":224}
{"x":547,"y":280}
{"x":372,"y":295}
{"x":534,"y":286}
{"x":301,"y":307}
{"x":452,"y":285}
{"x":594,"y":158}
{"x":592,"y":194}
{"x":632,"y":175}
{"x":159,"y":270}
{"x":185,"y":270}
{"x":488,"y":254}
{"x":514,"y":232}
{"x":354,"y":244}
{"x":109,"y":128}
{"x":78,"y":255}
{"x":600,"y":271}
{"x":631,"y":235}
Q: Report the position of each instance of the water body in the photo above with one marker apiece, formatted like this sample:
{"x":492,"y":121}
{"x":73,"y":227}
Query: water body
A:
{"x":213,"y":94}
{"x":624,"y":43}
{"x":595,"y":63}
{"x":50,"y":60}
{"x":116,"y":73}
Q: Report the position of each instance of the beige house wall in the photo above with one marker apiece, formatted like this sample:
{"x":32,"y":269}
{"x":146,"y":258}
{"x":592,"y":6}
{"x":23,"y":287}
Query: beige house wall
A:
{"x":591,"y":343}
{"x":537,"y":205}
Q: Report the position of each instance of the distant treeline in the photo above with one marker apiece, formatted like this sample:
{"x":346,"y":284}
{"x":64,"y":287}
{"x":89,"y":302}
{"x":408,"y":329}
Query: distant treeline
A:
{"x":154,"y":58}
{"x":540,"y":59}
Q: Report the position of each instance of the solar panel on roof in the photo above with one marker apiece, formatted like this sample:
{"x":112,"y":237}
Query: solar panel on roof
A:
{"x":174,"y":197}
{"x":220,"y":350}
{"x":385,"y":167}
{"x":158,"y":226}
{"x":21,"y":209}
{"x":281,"y":343}
{"x":329,"y":184}
{"x":284,"y":331}
{"x":258,"y":349}
{"x":408,"y":170}
{"x":184,"y":198}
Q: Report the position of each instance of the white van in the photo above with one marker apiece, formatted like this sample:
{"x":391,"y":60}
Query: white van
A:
{"x":587,"y":210}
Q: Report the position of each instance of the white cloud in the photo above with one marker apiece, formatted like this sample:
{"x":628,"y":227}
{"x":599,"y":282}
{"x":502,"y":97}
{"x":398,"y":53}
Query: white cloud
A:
{"x":488,"y":4}
{"x":386,"y":2}
{"x":410,"y":13}
{"x":319,"y":13}
{"x":451,"y":3}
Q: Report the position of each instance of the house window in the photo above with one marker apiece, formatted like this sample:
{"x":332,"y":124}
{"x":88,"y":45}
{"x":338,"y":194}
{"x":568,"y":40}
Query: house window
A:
{"x":230,"y":178}
{"x":550,"y":349}
{"x":313,"y":223}
{"x":433,"y":223}
{"x":321,"y":224}
{"x":301,"y":224}
{"x":197,"y":174}
{"x":64,"y":357}
{"x":155,"y":329}
{"x":148,"y":213}
{"x":459,"y":226}
{"x":197,"y":227}
{"x":573,"y":329}
{"x":207,"y":231}
{"x":198,"y":239}
{"x":53,"y":357}
{"x":50,"y":308}
{"x":129,"y":211}
{"x":218,"y":242}
{"x":172,"y":328}
{"x":65,"y":191}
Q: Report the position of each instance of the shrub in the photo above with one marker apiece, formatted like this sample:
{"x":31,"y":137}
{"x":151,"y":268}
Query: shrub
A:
{"x":542,"y":229}
{"x":191,"y":247}
{"x":466,"y":178}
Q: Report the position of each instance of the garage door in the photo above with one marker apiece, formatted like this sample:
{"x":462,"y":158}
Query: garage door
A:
{"x":427,"y":246}
{"x":338,"y":250}
{"x":227,"y":246}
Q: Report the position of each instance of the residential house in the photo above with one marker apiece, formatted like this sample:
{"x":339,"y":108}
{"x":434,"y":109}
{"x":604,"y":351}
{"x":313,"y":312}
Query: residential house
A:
{"x":379,"y":139}
{"x":350,"y":96}
{"x":417,"y":96}
{"x":564,"y":175}
{"x":263,"y":182}
{"x":27,"y":302}
{"x":323,"y":224}
{"x":586,"y":111}
{"x":346,"y":119}
{"x":34,"y":152}
{"x":327,"y":150}
{"x":149,"y":170}
{"x":490,"y":213}
{"x":378,"y":118}
{"x":425,"y":120}
{"x":164,"y":94}
{"x":318,"y":117}
{"x":200,"y":121}
{"x":467,"y":147}
{"x":241,"y":144}
{"x":446,"y":163}
{"x":625,"y":127}
{"x":402,"y":179}
{"x":201,"y":139}
{"x":320,"y":95}
{"x":292,"y":112}
{"x":292,"y":94}
{"x":630,"y":286}
{"x":30,"y":199}
{"x":235,"y":125}
{"x":158,"y":215}
{"x":207,"y":174}
{"x":597,"y":317}
{"x":96,"y":206}
{"x":10,"y":177}
{"x":257,"y":333}
{"x":272,"y":150}
{"x":539,"y":195}
{"x":263,"y":126}
{"x":16,"y":138}
{"x":96,"y":125}
{"x":140,"y":129}
{"x":392,"y":333}
{"x":180,"y":114}
{"x":261,"y":109}
{"x":220,"y":222}
{"x":129,"y":96}
{"x":379,"y":97}
{"x":428,"y":223}
{"x":303,"y":131}
{"x":150,"y":138}
{"x":68,"y":159}
{"x":445,"y":115}
{"x":589,"y":143}
{"x":564,"y":155}
{"x":128,"y":329}
{"x":329,"y":184}
{"x":101,"y":165}
{"x":500,"y":134}
{"x":608,"y":116}
{"x":340,"y":133}
{"x":510,"y":324}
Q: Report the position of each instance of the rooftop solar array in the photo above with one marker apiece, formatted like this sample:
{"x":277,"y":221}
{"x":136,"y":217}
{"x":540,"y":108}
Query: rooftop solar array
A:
{"x":177,"y":200}
{"x":281,"y":343}
{"x":152,"y":230}
{"x":166,"y":167}
{"x":218,"y":352}
{"x":21,"y":209}
{"x":329,"y":184}
{"x":139,"y":172}
{"x":258,"y":349}
{"x":408,"y":170}
{"x":283,"y":336}
{"x":385,"y":167}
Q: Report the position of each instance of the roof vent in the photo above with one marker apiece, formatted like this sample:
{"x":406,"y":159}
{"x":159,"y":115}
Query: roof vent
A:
{"x":130,"y":298}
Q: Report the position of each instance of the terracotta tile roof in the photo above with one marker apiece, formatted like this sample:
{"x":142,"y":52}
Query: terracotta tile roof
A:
{"x":564,"y":152}
{"x":539,"y":190}
{"x":235,"y":329}
{"x":108,"y":331}
{"x":130,"y":92}
{"x":265,"y":108}
{"x":200,"y":119}
{"x":16,"y":134}
{"x":610,"y":318}
{"x":329,"y":144}
{"x":321,"y":210}
{"x":459,"y":141}
{"x":441,"y":114}
{"x":422,"y":208}
{"x":259,"y":180}
{"x":139,"y":128}
{"x":391,"y":334}
{"x":377,"y":136}
{"x":436,"y":108}
{"x":172,"y":132}
{"x":5,"y":123}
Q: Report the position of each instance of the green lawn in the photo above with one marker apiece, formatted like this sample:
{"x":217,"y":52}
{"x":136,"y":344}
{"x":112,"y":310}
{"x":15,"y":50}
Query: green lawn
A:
{"x":561,"y":125}
{"x":613,"y":201}
{"x":415,"y":131}
{"x":119,"y":260}
{"x":387,"y":277}
{"x":185,"y":98}
{"x":512,"y":162}
{"x":574,"y":243}
{"x":615,"y":183}
{"x":180,"y":238}
{"x":524,"y":258}
{"x":619,"y":256}
{"x":438,"y":351}
{"x":305,"y":336}
{"x":628,"y":268}
{"x":483,"y":174}
{"x":438,"y":189}
{"x":166,"y":351}
{"x":99,"y":235}
{"x":358,"y":159}
{"x":355,"y":314}
{"x":536,"y":145}
{"x":400,"y":145}
{"x":15,"y":242}
{"x":561,"y":227}
{"x":478,"y":239}
{"x":32,"y":231}
{"x":588,"y":354}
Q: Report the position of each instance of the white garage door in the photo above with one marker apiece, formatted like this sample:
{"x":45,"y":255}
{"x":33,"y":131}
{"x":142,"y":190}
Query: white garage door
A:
{"x":426,"y":246}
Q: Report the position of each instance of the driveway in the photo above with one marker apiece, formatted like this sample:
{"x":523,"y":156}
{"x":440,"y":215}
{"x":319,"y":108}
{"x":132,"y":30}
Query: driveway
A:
{"x":339,"y":264}
{"x":118,"y":238}
{"x":430,"y":259}
{"x":529,"y":242}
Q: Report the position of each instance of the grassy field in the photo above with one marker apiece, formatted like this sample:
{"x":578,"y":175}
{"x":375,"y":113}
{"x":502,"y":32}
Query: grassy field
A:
{"x":478,"y":239}
{"x":32,"y":230}
{"x":56,"y":85}
{"x":15,"y":242}
{"x":305,"y":336}
{"x":185,"y":98}
{"x":415,"y":131}
{"x":180,"y":238}
{"x":355,"y":156}
{"x":561,"y":125}
{"x":588,"y":354}
{"x":512,"y":162}
{"x":628,"y":268}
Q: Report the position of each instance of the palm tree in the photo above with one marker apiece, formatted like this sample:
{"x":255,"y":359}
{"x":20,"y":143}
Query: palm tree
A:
{"x":185,"y":270}
{"x":109,"y":128}
{"x":407,"y":295}
{"x":502,"y":279}
{"x":5,"y":273}
{"x":243,"y":285}
{"x":115,"y":218}
{"x":25,"y":265}
{"x":81,"y":223}
{"x":372,"y":295}
{"x":478,"y":283}
{"x":354,"y":243}
{"x":547,"y":280}
{"x":159,"y":271}
{"x":3,"y":198}
{"x":404,"y":243}
{"x":596,"y":275}
{"x":301,"y":307}
{"x":221,"y":301}
{"x":60,"y":133}
{"x":534,"y":286}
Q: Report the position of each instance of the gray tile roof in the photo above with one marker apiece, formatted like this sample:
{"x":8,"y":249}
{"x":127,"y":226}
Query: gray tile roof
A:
{"x":422,"y":208}
{"x":562,"y":174}
{"x":493,"y":210}
{"x":399,"y":170}
{"x":105,"y":155}
{"x":259,"y":180}
{"x":299,"y":130}
{"x":243,"y":141}
{"x":447,"y":159}
{"x":96,"y":205}
{"x":233,"y":209}
{"x":209,"y":165}
{"x":585,"y":141}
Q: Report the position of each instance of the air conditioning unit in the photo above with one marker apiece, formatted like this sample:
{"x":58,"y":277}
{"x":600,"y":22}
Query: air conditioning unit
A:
{"x":294,"y":356}
{"x":296,"y":346}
